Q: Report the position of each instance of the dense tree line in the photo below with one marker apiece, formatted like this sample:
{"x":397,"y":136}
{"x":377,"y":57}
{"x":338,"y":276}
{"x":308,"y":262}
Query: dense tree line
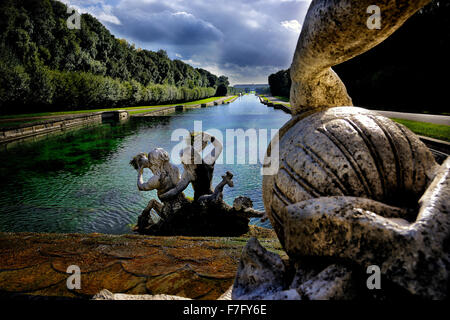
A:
{"x":44,"y":65}
{"x":406,"y":72}
{"x":280,"y":83}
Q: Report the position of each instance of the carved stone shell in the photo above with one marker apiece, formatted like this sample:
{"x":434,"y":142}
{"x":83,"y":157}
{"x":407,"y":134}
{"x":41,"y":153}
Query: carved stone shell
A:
{"x":346,"y":151}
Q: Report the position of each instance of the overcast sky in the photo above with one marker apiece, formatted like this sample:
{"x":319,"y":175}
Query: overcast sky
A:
{"x":245,"y":40}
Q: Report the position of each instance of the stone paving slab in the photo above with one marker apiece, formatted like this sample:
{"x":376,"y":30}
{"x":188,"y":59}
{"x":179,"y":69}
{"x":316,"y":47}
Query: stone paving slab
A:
{"x":33,"y":264}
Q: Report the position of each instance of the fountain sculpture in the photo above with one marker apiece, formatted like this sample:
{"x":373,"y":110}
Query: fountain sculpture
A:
{"x":207,"y":213}
{"x":355,"y":192}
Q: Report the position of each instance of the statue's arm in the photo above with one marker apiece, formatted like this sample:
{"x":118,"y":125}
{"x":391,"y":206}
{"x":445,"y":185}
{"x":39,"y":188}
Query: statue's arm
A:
{"x":181,"y":185}
{"x":151,"y":184}
{"x":215,"y":153}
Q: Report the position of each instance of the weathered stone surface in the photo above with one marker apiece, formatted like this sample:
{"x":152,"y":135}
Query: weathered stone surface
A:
{"x":23,"y":280}
{"x":227,"y":295}
{"x":353,"y":185}
{"x":353,"y":188}
{"x":347,"y":151}
{"x":260,"y":275}
{"x":413,"y":255}
{"x":333,"y":283}
{"x":187,"y":283}
{"x":243,"y":206}
{"x":335,"y":31}
{"x":200,"y":268}
{"x":108,"y":295}
{"x":115,"y":278}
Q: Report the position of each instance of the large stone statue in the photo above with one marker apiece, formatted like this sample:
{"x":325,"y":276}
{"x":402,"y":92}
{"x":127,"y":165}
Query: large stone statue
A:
{"x":165,"y":177}
{"x":354,"y":191}
{"x":207,"y":213}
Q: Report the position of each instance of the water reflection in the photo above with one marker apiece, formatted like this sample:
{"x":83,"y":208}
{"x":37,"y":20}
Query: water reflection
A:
{"x":80,"y":181}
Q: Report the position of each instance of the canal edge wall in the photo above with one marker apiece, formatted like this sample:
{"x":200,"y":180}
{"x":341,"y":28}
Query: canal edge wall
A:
{"x":62,"y":123}
{"x":46,"y":126}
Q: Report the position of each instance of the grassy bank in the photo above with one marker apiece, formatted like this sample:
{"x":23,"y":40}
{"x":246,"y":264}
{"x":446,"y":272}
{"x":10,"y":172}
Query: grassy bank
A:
{"x":231,"y":98}
{"x":285,"y":99}
{"x":437,"y":131}
{"x":147,"y":109}
{"x":207,"y":100}
{"x":132,"y":110}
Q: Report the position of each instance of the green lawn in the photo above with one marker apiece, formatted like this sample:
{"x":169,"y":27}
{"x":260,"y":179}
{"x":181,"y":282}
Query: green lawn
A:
{"x":132,"y":110}
{"x":282,"y":98}
{"x":62,"y":113}
{"x":229,"y":99}
{"x":191,"y":103}
{"x":437,"y":131}
{"x":147,"y":109}
{"x":202,"y":101}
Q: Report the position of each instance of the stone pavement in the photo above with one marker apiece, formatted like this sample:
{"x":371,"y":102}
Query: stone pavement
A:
{"x":35,"y":265}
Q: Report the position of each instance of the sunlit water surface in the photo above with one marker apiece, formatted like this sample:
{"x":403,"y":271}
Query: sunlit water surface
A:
{"x":80,"y":181}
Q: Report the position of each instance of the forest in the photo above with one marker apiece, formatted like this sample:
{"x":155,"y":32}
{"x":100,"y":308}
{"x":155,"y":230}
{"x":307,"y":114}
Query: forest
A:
{"x":45,"y":66}
{"x":280,"y":83}
{"x":409,"y":71}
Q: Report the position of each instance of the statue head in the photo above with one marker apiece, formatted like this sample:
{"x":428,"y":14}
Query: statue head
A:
{"x":154,"y":160}
{"x":139,"y":161}
{"x":157,"y":158}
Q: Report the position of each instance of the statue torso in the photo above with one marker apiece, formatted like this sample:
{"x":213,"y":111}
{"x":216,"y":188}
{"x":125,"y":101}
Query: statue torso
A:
{"x":202,"y":184}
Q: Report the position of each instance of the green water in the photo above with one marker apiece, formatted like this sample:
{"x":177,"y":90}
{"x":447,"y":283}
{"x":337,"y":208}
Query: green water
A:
{"x":80,"y":181}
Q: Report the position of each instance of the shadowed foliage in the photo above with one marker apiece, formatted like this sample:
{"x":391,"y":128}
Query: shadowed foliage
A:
{"x":403,"y":73}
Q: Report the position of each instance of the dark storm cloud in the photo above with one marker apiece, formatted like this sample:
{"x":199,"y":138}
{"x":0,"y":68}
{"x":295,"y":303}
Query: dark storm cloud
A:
{"x":176,"y":28}
{"x":245,"y":40}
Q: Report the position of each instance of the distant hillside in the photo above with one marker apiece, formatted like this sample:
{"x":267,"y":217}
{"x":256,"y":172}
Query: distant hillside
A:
{"x":406,"y":72}
{"x":44,"y":65}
